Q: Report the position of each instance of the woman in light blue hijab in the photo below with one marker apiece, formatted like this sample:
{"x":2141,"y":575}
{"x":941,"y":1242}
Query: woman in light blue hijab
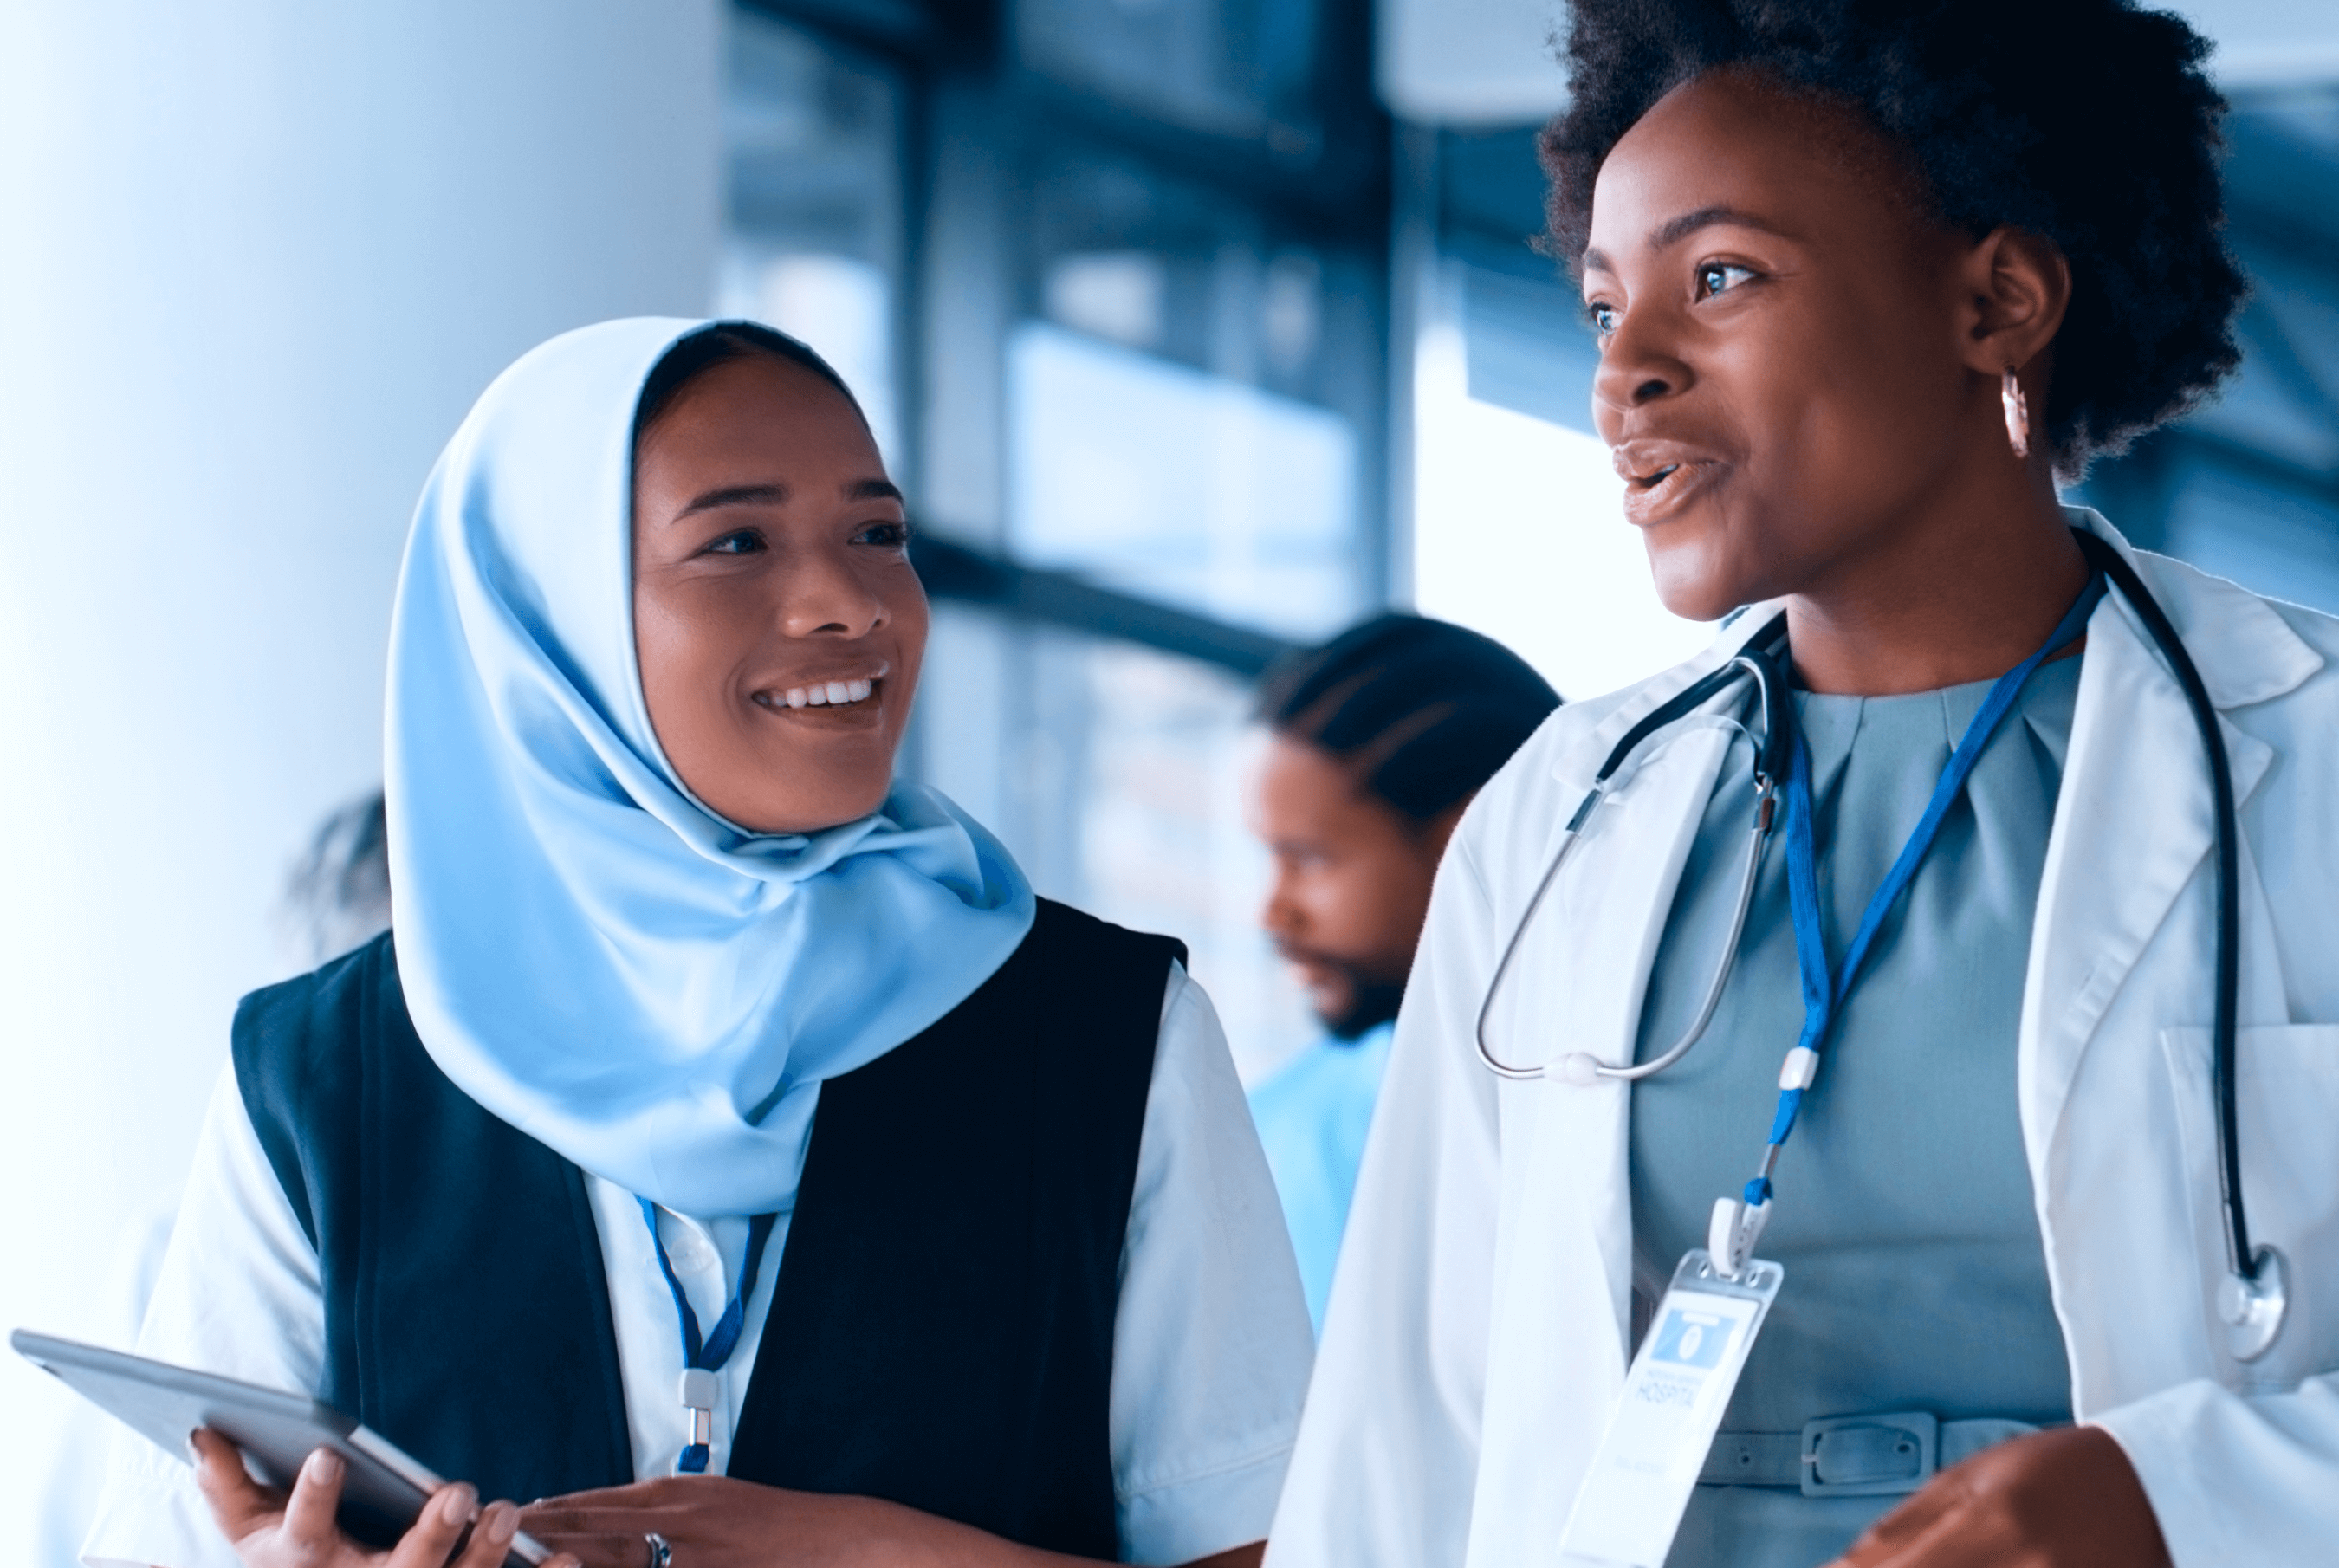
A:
{"x":725,"y":1143}
{"x":698,"y":960}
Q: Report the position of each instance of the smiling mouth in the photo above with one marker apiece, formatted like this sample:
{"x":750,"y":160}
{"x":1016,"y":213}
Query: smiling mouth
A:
{"x":820,"y":694}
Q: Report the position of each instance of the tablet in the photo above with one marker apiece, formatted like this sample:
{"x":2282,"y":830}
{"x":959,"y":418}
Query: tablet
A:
{"x":382,"y":1491}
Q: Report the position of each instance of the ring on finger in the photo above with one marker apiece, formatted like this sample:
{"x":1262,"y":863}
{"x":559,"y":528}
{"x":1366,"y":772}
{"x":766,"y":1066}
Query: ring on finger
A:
{"x":661,"y":1552}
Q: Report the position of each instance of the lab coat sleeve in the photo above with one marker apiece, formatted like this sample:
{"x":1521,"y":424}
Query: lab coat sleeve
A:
{"x":1387,"y":1454}
{"x":2237,"y":1479}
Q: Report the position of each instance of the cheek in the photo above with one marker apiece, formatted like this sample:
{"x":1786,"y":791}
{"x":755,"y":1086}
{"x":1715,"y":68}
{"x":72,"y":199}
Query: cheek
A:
{"x":1324,"y":897}
{"x":1856,"y":390}
{"x":913,"y":621}
{"x":1369,"y":906}
{"x":1839,"y":422}
{"x":686,"y":649}
{"x":667,"y":656}
{"x":1870,"y":422}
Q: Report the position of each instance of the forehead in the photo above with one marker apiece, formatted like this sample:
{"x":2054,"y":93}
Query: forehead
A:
{"x":1305,"y":792}
{"x":1803,"y":165}
{"x":759,"y":405}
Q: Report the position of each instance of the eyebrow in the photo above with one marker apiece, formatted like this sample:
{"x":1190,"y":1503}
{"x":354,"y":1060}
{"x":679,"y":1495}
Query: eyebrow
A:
{"x":777,"y":496}
{"x":1679,"y":228}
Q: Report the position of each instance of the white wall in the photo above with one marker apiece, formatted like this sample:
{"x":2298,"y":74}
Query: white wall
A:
{"x":256,"y":259}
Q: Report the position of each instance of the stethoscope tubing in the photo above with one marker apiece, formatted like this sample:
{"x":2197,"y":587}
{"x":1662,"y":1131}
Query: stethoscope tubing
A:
{"x":1771,"y":685}
{"x":2241,"y":1258}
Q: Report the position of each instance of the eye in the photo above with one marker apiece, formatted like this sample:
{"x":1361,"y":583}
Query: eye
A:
{"x":884,"y":536}
{"x":1719,"y":277}
{"x":1602,"y":317}
{"x":745,"y":542}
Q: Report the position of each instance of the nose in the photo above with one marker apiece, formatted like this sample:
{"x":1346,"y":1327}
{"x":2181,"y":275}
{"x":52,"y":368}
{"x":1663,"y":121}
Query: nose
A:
{"x":1279,"y":916}
{"x":1637,"y":366}
{"x":823,"y":596}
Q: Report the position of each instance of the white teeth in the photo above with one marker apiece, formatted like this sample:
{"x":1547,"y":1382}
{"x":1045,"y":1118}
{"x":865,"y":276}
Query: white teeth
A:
{"x":826,"y":694}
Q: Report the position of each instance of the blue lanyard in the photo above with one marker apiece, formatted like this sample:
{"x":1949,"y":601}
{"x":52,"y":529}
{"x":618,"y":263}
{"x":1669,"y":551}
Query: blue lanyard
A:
{"x":706,"y":1357}
{"x":1823,"y":993}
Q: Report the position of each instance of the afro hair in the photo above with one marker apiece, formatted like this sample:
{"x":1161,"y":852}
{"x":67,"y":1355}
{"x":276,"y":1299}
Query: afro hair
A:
{"x":2087,"y":121}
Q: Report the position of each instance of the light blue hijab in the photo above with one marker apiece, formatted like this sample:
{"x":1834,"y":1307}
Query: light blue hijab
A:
{"x":588,"y":950}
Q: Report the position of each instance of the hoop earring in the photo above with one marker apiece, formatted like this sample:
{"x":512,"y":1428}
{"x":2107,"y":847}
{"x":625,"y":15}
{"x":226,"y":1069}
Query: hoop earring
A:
{"x":2018,"y":413}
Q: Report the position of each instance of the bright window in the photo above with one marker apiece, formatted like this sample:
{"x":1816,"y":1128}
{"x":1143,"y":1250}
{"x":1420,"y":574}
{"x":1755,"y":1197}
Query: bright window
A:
{"x":1519,"y":533}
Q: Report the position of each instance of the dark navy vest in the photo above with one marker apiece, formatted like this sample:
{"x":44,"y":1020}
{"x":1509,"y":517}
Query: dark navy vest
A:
{"x":941,"y":1332}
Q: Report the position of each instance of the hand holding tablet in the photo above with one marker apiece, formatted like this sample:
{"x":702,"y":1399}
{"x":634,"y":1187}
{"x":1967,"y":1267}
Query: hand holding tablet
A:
{"x":291,"y":1479}
{"x":268,"y":1526}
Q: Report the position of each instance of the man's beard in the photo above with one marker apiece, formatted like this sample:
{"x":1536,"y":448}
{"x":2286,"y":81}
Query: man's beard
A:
{"x":1371,"y":1004}
{"x":1372,"y":1000}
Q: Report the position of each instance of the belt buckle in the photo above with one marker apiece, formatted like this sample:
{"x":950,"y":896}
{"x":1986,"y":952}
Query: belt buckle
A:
{"x":1920,"y":1426}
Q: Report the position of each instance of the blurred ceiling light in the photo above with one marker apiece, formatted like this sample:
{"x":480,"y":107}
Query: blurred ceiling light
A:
{"x":2268,"y":43}
{"x":1491,"y":62}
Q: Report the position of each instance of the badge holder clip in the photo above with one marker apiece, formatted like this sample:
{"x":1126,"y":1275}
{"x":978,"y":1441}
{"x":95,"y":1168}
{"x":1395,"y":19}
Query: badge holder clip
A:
{"x":1731,"y":1232}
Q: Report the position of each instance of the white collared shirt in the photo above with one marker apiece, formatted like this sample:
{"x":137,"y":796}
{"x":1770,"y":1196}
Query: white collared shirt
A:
{"x":1211,"y":1343}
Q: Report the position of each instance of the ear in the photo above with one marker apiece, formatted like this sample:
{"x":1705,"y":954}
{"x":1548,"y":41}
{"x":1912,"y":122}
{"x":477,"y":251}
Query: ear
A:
{"x":2017,"y":288}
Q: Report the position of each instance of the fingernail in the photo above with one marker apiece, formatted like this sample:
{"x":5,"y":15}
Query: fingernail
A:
{"x":460,"y":1503}
{"x":503,"y":1524}
{"x":324,"y":1466}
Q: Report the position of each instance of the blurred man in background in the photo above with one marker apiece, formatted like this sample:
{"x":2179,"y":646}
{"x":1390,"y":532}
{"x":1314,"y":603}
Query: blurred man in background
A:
{"x":1377,"y":741}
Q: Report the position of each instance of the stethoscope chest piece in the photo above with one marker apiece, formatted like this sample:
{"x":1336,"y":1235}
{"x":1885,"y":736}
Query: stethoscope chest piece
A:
{"x":2252,"y":1306}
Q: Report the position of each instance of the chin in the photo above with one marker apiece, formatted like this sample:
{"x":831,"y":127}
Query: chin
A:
{"x":1694,"y":574}
{"x":807,"y":813}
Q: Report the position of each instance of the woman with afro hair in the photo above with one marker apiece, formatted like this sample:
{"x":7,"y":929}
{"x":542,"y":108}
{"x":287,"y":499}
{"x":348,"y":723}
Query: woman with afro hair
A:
{"x":1870,"y":277}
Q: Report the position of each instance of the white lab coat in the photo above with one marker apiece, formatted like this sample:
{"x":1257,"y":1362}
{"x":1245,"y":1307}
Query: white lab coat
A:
{"x":1477,"y":1330}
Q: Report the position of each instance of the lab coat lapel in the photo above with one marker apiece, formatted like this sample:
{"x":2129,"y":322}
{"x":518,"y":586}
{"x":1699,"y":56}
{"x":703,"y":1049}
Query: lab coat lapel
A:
{"x":2136,"y":814}
{"x":2121,"y":953}
{"x":1564,"y":1245}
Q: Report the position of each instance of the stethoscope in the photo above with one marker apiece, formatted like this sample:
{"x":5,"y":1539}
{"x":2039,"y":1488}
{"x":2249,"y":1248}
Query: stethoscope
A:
{"x":2254,"y":1298}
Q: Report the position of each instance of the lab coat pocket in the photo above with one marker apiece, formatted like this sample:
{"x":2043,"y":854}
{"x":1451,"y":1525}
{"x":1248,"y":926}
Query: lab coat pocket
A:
{"x":2287,"y":1095}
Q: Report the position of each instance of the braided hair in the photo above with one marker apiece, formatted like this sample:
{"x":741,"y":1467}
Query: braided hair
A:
{"x":1422,"y":712}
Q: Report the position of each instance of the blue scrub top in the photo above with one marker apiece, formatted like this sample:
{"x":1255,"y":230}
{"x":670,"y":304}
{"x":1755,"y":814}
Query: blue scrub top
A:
{"x":1313,"y":1114}
{"x":1915,"y":1274}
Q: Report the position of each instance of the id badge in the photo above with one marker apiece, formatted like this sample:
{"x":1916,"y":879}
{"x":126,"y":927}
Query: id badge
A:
{"x":1633,"y":1496}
